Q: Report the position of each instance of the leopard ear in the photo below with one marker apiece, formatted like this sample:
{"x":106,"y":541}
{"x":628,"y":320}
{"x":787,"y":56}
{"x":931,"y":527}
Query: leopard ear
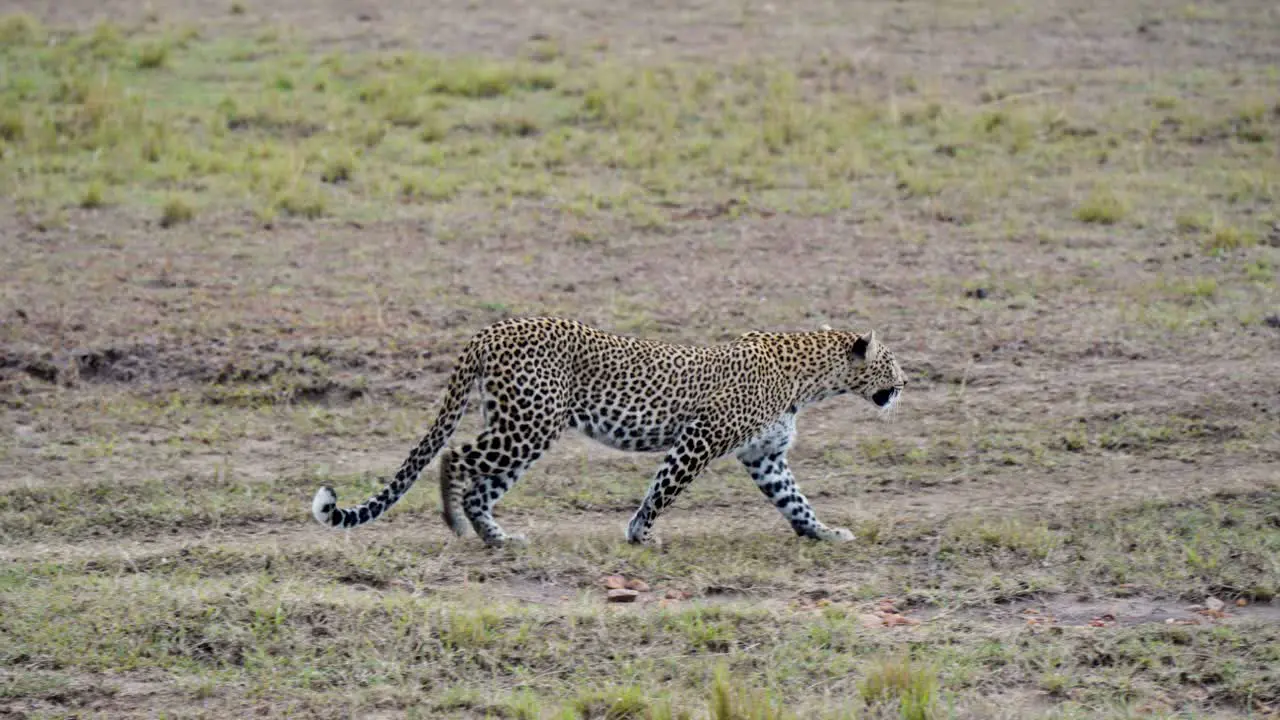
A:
{"x":860,"y":345}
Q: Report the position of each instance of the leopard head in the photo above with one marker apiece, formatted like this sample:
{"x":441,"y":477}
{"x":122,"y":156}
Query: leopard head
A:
{"x":874,"y":372}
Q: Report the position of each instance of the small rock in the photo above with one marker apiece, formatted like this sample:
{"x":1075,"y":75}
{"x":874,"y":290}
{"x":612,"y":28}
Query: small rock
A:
{"x":870,"y":621}
{"x":615,"y":582}
{"x":1214,"y":604}
{"x":677,"y":595}
{"x":1273,"y":321}
{"x":979,"y":293}
{"x":638,"y":585}
{"x":896,"y":619}
{"x":622,"y":595}
{"x":1241,"y":602}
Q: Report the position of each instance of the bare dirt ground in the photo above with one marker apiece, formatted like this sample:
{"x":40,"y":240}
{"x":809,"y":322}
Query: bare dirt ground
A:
{"x":1086,"y":464}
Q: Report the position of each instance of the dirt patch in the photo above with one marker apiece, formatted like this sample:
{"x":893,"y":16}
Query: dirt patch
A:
{"x":268,"y":372}
{"x":905,"y":37}
{"x":1122,"y":612}
{"x":113,"y":694}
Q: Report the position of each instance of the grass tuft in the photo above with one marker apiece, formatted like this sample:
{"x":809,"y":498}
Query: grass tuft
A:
{"x":516,"y":126}
{"x":93,"y":196}
{"x":1227,"y":238}
{"x":1193,"y":222}
{"x":1102,"y":207}
{"x":730,"y":702}
{"x":20,"y":29}
{"x":625,"y":703}
{"x":544,"y":50}
{"x":1035,"y":540}
{"x":13,"y":126}
{"x":339,"y":169}
{"x":152,"y":56}
{"x":176,"y":211}
{"x":303,"y":202}
{"x":911,"y":686}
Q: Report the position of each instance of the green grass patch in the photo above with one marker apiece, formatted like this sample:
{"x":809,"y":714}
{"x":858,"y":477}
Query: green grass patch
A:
{"x":261,"y":633}
{"x":275,"y":127}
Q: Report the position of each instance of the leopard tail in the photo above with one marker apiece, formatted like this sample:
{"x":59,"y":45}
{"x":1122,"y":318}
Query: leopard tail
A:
{"x":452,"y":408}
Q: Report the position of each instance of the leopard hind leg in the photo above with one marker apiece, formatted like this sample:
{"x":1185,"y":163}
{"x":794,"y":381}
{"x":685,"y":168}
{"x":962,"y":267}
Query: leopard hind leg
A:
{"x":452,"y":490}
{"x":488,"y":468}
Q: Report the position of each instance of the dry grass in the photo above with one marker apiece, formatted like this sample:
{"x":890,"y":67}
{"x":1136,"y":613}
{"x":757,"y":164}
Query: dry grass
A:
{"x":241,"y":261}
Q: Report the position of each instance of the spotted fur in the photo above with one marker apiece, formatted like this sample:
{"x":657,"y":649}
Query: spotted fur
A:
{"x":538,"y":376}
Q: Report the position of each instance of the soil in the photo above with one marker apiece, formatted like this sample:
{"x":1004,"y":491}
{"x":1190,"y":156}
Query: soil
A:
{"x":110,"y":309}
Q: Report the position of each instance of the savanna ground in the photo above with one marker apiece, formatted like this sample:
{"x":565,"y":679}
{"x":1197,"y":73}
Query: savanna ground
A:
{"x":243,"y":242}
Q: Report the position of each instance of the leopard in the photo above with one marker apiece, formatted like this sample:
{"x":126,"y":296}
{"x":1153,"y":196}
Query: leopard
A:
{"x":537,"y":377}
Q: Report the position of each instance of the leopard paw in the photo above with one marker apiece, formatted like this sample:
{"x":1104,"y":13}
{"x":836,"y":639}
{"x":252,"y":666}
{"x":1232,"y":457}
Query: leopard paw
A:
{"x":835,"y":534}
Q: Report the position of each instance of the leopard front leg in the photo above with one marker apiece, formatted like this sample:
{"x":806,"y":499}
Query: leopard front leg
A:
{"x":772,"y":474}
{"x":683,"y":462}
